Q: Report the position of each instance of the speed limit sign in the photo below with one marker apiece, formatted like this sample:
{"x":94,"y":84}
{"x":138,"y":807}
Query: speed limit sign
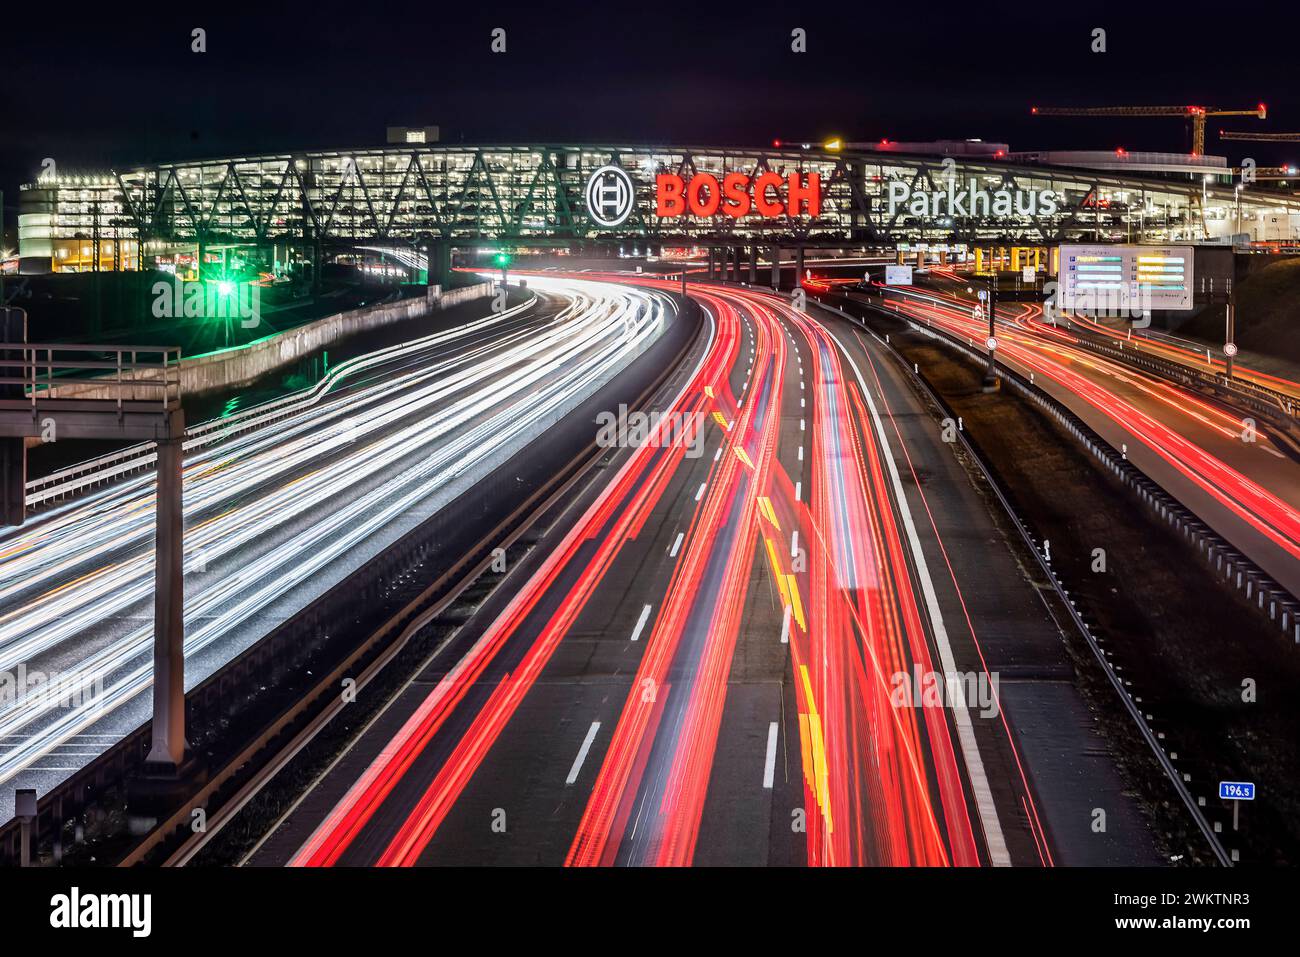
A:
{"x":1230,"y":349}
{"x":991,"y":342}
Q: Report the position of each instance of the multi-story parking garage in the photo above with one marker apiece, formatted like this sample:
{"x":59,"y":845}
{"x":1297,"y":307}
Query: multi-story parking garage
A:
{"x":578,"y":195}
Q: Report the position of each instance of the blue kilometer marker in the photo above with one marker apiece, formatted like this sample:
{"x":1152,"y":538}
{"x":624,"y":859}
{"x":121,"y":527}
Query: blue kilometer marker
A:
{"x":1236,"y":790}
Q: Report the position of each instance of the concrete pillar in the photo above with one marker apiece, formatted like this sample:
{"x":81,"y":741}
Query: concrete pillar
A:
{"x":1038,"y":258}
{"x":1055,"y":268}
{"x":737,"y":255}
{"x":798,"y":267}
{"x":440,"y":263}
{"x":1015,"y":258}
{"x":167,"y":749}
{"x":979,"y":259}
{"x":13,"y":481}
{"x":711,"y":255}
{"x":753,"y":265}
{"x":943,"y":257}
{"x":776,"y":267}
{"x":899,"y":260}
{"x":920,"y":259}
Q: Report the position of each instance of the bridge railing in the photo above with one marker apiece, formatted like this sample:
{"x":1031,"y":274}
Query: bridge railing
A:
{"x":122,"y":375}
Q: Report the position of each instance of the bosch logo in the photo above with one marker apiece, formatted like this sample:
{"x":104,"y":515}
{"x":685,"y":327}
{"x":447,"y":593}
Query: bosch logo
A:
{"x":610,"y":196}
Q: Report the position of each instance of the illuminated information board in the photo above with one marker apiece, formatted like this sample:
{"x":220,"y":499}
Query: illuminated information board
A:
{"x":1126,"y":280}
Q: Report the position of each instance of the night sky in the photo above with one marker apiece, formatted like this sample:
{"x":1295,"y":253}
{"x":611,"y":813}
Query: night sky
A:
{"x":125,"y":89}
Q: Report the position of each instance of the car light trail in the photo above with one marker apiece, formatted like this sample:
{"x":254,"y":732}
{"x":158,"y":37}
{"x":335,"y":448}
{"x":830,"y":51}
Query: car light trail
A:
{"x":351,"y":465}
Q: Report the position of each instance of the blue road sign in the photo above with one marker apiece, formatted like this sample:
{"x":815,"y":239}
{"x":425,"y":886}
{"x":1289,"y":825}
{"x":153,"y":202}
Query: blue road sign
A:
{"x":1237,"y":790}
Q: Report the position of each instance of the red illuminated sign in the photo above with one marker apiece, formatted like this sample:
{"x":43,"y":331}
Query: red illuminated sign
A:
{"x":738,"y":195}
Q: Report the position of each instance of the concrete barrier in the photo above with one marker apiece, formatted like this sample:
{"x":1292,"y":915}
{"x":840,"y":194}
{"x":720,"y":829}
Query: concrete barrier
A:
{"x":242,"y":365}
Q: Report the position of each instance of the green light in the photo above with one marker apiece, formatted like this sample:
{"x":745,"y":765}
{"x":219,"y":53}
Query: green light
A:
{"x":225,"y":288}
{"x":503,"y":259}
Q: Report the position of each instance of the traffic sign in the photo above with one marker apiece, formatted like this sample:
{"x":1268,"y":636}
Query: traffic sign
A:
{"x":1237,"y":790}
{"x":983,"y":294}
{"x":1230,"y":349}
{"x":991,"y":342}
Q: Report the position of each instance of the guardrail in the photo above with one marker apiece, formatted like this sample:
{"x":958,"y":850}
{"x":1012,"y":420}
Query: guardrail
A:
{"x":1276,"y":406}
{"x":1093,"y":443}
{"x":262,"y":698}
{"x":47,"y":366}
{"x":1268,"y":598}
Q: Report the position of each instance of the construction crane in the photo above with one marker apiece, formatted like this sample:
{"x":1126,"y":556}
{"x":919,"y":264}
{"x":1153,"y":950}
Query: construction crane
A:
{"x":1197,"y":114}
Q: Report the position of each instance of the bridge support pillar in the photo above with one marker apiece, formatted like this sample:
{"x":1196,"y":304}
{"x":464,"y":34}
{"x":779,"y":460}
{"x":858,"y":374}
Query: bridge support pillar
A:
{"x":167,"y":751}
{"x":438,"y":253}
{"x":979,"y":259}
{"x":753,"y":265}
{"x":776,"y":267}
{"x":712,"y":254}
{"x":13,"y":475}
{"x":736,"y":254}
{"x":798,"y":267}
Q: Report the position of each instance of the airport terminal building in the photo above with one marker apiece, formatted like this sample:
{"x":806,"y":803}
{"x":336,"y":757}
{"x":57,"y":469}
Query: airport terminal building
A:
{"x":648,"y":197}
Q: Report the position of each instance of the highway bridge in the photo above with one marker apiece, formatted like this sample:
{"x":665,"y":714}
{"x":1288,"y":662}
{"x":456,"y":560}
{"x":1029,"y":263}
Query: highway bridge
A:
{"x":576,"y":195}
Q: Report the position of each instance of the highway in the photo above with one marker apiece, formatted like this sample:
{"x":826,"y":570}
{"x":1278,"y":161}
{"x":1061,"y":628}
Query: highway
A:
{"x":1247,"y":490}
{"x":785,"y":628}
{"x":281,"y":502}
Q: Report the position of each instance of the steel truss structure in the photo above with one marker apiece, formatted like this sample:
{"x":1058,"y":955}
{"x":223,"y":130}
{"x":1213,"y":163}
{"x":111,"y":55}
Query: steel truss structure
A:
{"x":533,"y":196}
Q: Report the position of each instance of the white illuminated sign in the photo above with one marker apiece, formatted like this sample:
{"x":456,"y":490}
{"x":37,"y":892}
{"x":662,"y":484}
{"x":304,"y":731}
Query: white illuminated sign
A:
{"x":1125,"y":280}
{"x":610,"y":196}
{"x":898,"y":275}
{"x":970,"y":200}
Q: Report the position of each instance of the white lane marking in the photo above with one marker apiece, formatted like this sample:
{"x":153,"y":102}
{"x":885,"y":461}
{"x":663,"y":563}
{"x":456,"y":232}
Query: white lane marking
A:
{"x":786,"y":617}
{"x":718,"y":454}
{"x":801,"y":403}
{"x":582,"y":751}
{"x":769,"y":763}
{"x":997,"y":844}
{"x":640,"y":622}
{"x":801,"y":453}
{"x":798,"y":491}
{"x":794,"y":543}
{"x":700,"y":493}
{"x":802,"y":425}
{"x":677,"y":544}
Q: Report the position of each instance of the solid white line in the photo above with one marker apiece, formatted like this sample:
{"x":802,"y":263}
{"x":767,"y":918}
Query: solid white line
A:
{"x":769,"y":765}
{"x":677,"y":544}
{"x":640,"y":622}
{"x":582,"y":751}
{"x":700,"y":494}
{"x":997,"y":844}
{"x":786,"y":617}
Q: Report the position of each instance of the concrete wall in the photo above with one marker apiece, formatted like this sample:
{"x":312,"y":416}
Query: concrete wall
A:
{"x":232,"y":368}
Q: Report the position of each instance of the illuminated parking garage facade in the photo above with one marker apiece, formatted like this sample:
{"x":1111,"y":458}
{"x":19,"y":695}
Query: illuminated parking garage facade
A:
{"x":545,"y":196}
